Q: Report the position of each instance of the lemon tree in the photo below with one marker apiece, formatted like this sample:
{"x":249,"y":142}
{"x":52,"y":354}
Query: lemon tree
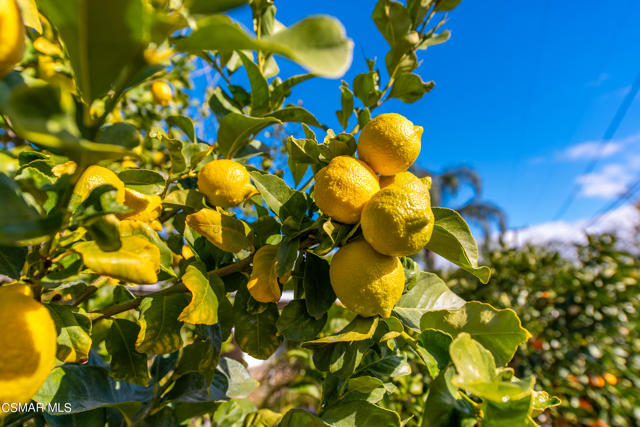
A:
{"x":158,"y":223}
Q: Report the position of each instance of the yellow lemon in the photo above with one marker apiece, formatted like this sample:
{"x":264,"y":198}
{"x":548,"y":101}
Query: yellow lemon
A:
{"x":365,"y":281}
{"x":144,"y":208}
{"x":406,"y":179}
{"x":95,"y":176}
{"x":343,"y":187}
{"x":389,"y":143}
{"x":28,"y":343}
{"x":11,"y":36}
{"x":398,"y":221}
{"x":161,"y":92}
{"x":226,"y":183}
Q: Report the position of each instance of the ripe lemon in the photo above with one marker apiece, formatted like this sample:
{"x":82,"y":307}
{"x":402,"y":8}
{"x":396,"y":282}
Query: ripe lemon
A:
{"x":144,"y":208}
{"x":389,"y":143}
{"x":406,"y":179}
{"x":398,"y":221}
{"x":365,"y":281}
{"x":226,"y":183}
{"x":11,"y":36}
{"x":28,"y":343}
{"x":95,"y":176}
{"x":161,"y":92}
{"x":343,"y":187}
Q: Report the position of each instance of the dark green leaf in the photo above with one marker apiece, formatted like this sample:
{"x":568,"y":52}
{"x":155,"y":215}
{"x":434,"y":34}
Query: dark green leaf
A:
{"x":203,"y":354}
{"x":12,"y":260}
{"x":259,"y":86}
{"x":446,"y":5}
{"x":159,"y":325}
{"x":295,"y":114}
{"x":346,"y":99}
{"x":74,"y":332}
{"x":127,"y":364}
{"x":366,"y":89}
{"x":452,"y":240}
{"x":295,"y":324}
{"x":433,"y":348}
{"x":256,"y":333}
{"x":208,"y":7}
{"x":445,"y":405}
{"x":300,"y":417}
{"x":121,"y":133}
{"x":392,"y":19}
{"x":319,"y":295}
{"x":185,"y":124}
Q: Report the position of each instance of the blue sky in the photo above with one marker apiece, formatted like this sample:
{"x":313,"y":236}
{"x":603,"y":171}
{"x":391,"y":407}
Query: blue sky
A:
{"x":524,"y":92}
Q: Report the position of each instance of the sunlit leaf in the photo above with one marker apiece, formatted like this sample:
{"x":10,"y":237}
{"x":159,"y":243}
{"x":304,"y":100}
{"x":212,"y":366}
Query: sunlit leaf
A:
{"x":263,"y":283}
{"x":203,"y":308}
{"x":74,"y":332}
{"x":222,"y":230}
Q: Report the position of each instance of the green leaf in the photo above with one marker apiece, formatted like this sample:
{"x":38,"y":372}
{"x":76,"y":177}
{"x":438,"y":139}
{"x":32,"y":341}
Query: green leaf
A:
{"x":259,"y":86}
{"x":360,"y":413}
{"x":295,"y":114}
{"x":12,"y":260}
{"x":281,"y":199}
{"x":360,"y":329}
{"x":185,"y":124}
{"x":319,"y":295}
{"x":435,"y":39}
{"x":286,"y":257}
{"x":410,"y":88}
{"x":508,"y":414}
{"x":446,"y":5}
{"x":203,"y":354}
{"x":346,"y":100}
{"x":103,"y":39}
{"x":159,"y":325}
{"x":433,"y":348}
{"x":185,"y":198}
{"x":366,"y":89}
{"x":236,"y":130}
{"x":203,"y":308}
{"x":122,"y":133}
{"x":393,"y":365}
{"x":392,"y":19}
{"x":300,"y":417}
{"x":239,"y":381}
{"x":88,"y":387}
{"x":263,"y":418}
{"x":429,"y":293}
{"x":208,"y":7}
{"x":143,"y":180}
{"x":295,"y":324}
{"x":74,"y":332}
{"x":445,"y":405}
{"x":176,"y":154}
{"x":317,"y":43}
{"x":127,"y":364}
{"x":256,"y":333}
{"x":500,"y":331}
{"x":452,"y":240}
{"x":477,"y":373}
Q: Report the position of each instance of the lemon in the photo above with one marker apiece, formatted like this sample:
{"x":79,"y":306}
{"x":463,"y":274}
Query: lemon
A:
{"x":95,"y":176}
{"x":406,"y":179}
{"x":366,"y":282}
{"x":161,"y":92}
{"x":11,"y":36}
{"x":343,"y":187}
{"x":389,"y":143}
{"x":226,"y":183}
{"x":143,"y":207}
{"x":28,"y":343}
{"x":398,"y":221}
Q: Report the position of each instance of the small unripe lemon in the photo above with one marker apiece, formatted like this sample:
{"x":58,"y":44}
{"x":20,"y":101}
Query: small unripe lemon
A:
{"x":398,"y":221}
{"x":11,"y":36}
{"x":28,"y":343}
{"x":343,"y":188}
{"x":95,"y":176}
{"x":366,"y":282}
{"x":389,"y":143}
{"x":161,"y":92}
{"x":226,"y":183}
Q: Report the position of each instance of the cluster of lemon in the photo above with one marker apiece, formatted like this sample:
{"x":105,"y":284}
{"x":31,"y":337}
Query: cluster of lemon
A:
{"x":394,"y":210}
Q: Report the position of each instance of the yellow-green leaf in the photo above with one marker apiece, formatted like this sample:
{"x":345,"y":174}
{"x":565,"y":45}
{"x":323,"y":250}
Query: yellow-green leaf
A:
{"x":223,"y":231}
{"x":30,"y":15}
{"x":137,"y":261}
{"x":263,"y":284}
{"x":159,"y":325}
{"x":74,"y":333}
{"x":203,"y":308}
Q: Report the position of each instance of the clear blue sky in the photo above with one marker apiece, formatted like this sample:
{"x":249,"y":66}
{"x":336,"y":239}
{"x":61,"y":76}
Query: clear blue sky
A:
{"x":522,"y":88}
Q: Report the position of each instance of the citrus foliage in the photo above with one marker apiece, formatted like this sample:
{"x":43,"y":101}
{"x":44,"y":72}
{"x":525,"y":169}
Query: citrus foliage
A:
{"x":121,"y":217}
{"x":583,"y":318}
